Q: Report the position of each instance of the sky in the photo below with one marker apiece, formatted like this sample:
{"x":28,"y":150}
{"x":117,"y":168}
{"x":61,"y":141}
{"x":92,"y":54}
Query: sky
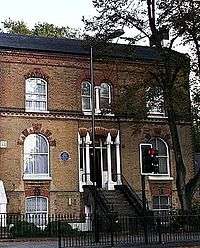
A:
{"x":58,"y":12}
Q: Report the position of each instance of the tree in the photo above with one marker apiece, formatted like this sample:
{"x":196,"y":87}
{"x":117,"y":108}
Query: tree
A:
{"x":149,"y":19}
{"x":40,"y":29}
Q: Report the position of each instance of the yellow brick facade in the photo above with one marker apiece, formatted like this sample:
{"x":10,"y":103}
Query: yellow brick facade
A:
{"x":64,"y":75}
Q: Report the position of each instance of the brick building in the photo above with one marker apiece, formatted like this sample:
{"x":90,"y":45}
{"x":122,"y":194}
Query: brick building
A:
{"x":45,"y":126}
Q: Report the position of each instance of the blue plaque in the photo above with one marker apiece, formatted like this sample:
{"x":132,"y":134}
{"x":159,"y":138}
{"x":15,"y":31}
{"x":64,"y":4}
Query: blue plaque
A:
{"x":64,"y":156}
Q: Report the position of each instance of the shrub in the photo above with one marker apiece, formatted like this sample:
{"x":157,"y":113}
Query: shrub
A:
{"x":25,"y":229}
{"x":55,"y":228}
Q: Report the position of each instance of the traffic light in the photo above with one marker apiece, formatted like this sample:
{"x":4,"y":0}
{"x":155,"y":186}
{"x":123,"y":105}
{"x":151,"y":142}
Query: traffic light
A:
{"x":153,"y":153}
{"x":149,"y":159}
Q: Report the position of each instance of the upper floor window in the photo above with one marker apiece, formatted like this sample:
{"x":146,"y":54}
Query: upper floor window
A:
{"x":105,"y":96}
{"x":102,"y":97}
{"x":86,"y":93}
{"x":36,"y":94}
{"x":36,"y":157}
{"x":155,"y":101}
{"x":163,"y":155}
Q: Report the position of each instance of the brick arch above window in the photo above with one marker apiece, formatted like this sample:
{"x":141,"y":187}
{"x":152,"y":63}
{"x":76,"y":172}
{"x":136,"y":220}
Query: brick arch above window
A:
{"x":157,"y":132}
{"x":36,"y":129}
{"x":37,"y":73}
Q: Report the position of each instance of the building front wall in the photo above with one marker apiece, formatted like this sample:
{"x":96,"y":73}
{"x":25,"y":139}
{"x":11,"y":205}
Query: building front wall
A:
{"x":64,"y":75}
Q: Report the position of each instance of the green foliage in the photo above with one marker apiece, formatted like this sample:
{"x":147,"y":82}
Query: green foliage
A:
{"x":25,"y":229}
{"x":40,"y":29}
{"x":55,"y":228}
{"x":130,"y":101}
{"x":16,"y":27}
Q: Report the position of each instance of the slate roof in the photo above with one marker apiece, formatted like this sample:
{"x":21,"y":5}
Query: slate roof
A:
{"x":72,"y":46}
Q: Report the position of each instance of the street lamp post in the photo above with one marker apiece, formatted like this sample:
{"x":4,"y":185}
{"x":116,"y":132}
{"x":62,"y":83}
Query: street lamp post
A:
{"x":106,"y":37}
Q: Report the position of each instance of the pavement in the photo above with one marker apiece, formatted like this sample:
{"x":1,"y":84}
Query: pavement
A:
{"x":29,"y":244}
{"x":54,"y":244}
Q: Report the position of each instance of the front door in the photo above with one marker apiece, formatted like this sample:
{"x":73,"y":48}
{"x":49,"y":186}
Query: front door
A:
{"x":95,"y":169}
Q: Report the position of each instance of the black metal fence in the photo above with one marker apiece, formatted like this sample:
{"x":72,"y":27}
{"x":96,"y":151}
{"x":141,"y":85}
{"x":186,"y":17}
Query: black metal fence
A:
{"x":14,"y":226}
{"x":83,"y":231}
{"x":127,"y":230}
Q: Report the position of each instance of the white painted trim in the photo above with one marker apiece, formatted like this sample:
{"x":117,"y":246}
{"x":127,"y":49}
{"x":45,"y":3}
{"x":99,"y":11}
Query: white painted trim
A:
{"x":159,"y":177}
{"x":36,"y":177}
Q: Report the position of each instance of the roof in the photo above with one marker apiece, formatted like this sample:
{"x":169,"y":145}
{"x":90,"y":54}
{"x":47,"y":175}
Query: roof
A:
{"x":74,"y":47}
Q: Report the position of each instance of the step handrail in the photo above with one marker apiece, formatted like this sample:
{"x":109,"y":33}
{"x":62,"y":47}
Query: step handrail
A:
{"x":131,"y":189}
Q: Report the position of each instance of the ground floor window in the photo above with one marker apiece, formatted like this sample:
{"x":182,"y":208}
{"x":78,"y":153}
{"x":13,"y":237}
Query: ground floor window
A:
{"x":37,"y":210}
{"x":161,"y":204}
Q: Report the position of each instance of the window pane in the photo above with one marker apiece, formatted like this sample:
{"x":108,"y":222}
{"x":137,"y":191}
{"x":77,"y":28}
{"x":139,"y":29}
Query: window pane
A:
{"x":41,"y":143}
{"x":104,"y":92}
{"x":29,"y":163}
{"x":161,"y":147}
{"x":86,"y":104}
{"x":104,"y":103}
{"x":41,"y":204}
{"x":31,"y":205}
{"x":41,"y":164}
{"x":86,"y":89}
{"x":162,"y":165}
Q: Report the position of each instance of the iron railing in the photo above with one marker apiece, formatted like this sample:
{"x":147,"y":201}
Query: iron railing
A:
{"x":128,"y":230}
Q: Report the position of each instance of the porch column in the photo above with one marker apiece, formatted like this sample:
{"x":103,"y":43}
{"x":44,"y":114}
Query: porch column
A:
{"x":87,"y":152}
{"x":110,"y":182}
{"x":117,"y":143}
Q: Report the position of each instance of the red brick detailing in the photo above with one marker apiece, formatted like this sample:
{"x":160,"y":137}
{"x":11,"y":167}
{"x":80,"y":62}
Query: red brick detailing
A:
{"x":37,"y":73}
{"x":38,"y":129}
{"x":99,"y":131}
{"x":36,"y":189}
{"x":161,"y":188}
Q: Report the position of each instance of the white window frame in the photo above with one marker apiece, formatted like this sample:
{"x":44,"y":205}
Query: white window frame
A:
{"x":167,"y":175}
{"x":35,"y":100}
{"x":86,"y":96}
{"x":37,"y":176}
{"x":32,"y":216}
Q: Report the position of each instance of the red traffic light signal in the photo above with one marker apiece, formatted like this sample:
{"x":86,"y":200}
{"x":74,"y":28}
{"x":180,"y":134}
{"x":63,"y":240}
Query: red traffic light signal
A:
{"x":152,"y":152}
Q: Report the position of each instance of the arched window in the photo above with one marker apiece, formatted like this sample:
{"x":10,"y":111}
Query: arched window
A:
{"x":163,"y":155}
{"x":105,"y":96}
{"x":36,"y":156}
{"x":86,"y":93}
{"x":37,"y":210}
{"x":155,"y":101}
{"x":36,"y":94}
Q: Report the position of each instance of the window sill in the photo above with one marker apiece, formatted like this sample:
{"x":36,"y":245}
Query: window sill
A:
{"x":157,"y":115}
{"x":37,"y":177}
{"x":160,"y":177}
{"x":98,"y":113}
{"x":37,"y":111}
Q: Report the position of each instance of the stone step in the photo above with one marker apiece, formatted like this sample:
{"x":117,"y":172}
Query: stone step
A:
{"x":117,"y":202}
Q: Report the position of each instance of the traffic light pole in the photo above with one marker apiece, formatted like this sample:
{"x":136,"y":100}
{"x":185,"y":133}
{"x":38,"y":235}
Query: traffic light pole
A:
{"x":144,"y":201}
